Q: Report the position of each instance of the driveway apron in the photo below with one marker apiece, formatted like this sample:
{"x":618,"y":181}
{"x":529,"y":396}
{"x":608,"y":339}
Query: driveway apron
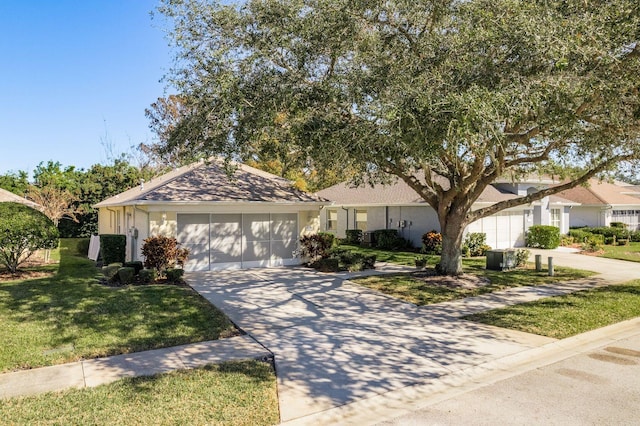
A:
{"x":335,"y":343}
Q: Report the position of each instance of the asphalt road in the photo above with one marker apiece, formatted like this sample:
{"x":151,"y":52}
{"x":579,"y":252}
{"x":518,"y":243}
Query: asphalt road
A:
{"x":599,"y":387}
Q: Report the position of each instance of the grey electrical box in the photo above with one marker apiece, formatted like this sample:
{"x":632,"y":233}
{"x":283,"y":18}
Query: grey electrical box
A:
{"x":502,"y":259}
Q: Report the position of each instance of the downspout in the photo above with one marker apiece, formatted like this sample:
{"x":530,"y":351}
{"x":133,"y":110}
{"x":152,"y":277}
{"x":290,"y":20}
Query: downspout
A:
{"x":347,"y":210}
{"x":386,"y":217}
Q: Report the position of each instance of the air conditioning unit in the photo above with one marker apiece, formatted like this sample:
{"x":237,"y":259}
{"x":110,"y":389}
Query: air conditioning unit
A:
{"x":367,"y":239}
{"x":501,"y":260}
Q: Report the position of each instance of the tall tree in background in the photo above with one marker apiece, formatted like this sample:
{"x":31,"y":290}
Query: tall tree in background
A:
{"x":16,"y":182}
{"x":446,"y":95}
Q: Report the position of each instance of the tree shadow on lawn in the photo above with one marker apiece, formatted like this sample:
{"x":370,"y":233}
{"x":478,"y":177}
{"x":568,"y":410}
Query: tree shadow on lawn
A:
{"x":71,"y":310}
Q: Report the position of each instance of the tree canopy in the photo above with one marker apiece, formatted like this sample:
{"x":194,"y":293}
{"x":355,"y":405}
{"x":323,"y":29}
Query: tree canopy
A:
{"x":446,"y":95}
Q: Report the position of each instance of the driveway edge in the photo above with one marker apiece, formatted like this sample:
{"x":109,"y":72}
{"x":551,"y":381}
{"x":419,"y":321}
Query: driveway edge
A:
{"x":396,"y":403}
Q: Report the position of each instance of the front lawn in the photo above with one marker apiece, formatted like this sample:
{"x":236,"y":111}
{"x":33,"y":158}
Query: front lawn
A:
{"x":70,"y":316}
{"x":630,"y":252}
{"x":565,"y":316}
{"x":424,"y":289}
{"x":241,"y":393}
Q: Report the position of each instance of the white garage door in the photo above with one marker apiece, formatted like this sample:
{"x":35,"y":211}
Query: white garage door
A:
{"x":226,"y":241}
{"x":503,"y":230}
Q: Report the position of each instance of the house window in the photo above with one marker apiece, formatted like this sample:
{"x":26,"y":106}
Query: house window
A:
{"x":361,"y":220}
{"x":555,"y":217}
{"x":332,"y":220}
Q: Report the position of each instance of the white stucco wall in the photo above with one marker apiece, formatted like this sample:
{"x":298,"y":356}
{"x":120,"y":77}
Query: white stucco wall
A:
{"x":587,"y":216}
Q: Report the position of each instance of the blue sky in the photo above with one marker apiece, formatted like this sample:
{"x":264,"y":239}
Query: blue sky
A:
{"x":76,"y":75}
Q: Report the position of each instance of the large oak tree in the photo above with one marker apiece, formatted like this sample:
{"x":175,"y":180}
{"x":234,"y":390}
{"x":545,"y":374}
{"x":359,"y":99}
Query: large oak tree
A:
{"x":446,"y":95}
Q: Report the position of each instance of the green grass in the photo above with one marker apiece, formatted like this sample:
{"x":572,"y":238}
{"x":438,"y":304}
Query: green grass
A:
{"x":70,"y":316}
{"x":400,"y":257}
{"x":566,"y":316}
{"x":411,"y":288}
{"x":233,"y":393}
{"x":629,"y":252}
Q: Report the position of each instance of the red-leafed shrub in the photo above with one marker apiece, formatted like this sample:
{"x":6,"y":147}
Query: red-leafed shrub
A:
{"x":432,"y":242}
{"x":162,"y":252}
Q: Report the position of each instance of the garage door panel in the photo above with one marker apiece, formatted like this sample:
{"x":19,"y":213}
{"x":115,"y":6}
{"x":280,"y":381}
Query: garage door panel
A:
{"x":226,"y":233}
{"x":284,"y":226}
{"x":283,"y":249}
{"x":255,"y":227}
{"x":256,"y":251}
{"x":193,"y":231}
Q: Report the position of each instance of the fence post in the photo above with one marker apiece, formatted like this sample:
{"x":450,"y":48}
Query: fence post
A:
{"x":538,"y":262}
{"x":550,"y":260}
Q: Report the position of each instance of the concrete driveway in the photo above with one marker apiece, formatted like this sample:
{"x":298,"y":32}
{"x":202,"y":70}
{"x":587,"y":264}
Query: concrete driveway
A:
{"x":335,"y":343}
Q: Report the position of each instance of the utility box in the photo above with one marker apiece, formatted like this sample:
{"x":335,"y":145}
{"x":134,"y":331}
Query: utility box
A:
{"x":501,"y":260}
{"x":368,"y":239}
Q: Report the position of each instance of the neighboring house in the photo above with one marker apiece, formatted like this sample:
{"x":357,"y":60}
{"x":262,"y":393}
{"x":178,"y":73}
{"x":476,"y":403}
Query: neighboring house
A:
{"x":601,"y":203}
{"x":250,"y":219}
{"x":397,"y":206}
{"x":6,"y":196}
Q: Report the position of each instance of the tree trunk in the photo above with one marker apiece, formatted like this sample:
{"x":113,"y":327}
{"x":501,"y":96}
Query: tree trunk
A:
{"x":451,"y":257}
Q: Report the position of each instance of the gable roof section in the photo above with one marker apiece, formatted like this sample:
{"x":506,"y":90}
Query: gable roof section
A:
{"x":601,"y":193}
{"x":204,"y":182}
{"x":7,"y":196}
{"x":395,"y":193}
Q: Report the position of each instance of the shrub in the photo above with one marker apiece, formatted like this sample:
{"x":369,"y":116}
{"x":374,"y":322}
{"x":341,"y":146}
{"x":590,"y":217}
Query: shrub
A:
{"x":623,"y":242}
{"x":354,"y":236}
{"x":326,"y":265}
{"x":174,"y":274}
{"x":484,"y":249}
{"x":126,"y":274}
{"x":543,"y":236}
{"x":351,"y":260}
{"x":162,"y":252}
{"x":24,"y":230}
{"x":82,"y":248}
{"x":388,"y":239}
{"x":111,"y":271}
{"x":609,"y":240}
{"x":432,"y":242}
{"x":634,"y":236}
{"x":477,"y":243}
{"x":466,"y":251}
{"x":112,"y":248}
{"x":593,"y":243}
{"x":522,"y":256}
{"x":621,"y":225}
{"x":579,"y":235}
{"x":566,"y":240}
{"x":147,"y":276}
{"x":316,"y":246}
{"x":136,"y":264}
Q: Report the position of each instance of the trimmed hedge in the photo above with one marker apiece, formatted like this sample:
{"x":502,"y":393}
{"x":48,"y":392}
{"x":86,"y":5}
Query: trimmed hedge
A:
{"x":543,"y":236}
{"x":354,"y":236}
{"x":112,"y":248}
{"x":388,"y":239}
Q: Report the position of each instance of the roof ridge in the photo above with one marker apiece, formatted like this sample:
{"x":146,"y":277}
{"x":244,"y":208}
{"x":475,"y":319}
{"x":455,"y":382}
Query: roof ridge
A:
{"x":155,"y":182}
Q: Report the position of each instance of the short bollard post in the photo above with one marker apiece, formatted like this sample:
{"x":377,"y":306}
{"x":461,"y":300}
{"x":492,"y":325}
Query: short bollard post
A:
{"x":550,"y":260}
{"x":538,"y":262}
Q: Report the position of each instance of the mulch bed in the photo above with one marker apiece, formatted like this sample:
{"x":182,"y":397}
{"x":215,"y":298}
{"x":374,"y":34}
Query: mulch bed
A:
{"x":26,"y":274}
{"x":464,"y":281}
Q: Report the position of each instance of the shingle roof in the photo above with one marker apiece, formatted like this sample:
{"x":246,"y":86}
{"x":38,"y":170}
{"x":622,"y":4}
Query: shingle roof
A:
{"x":6,"y":196}
{"x":397,"y":192}
{"x":601,"y":193}
{"x":208,"y":182}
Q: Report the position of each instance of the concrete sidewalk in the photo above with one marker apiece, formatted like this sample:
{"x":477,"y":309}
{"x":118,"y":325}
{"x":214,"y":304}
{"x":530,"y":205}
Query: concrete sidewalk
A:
{"x":94,"y":372}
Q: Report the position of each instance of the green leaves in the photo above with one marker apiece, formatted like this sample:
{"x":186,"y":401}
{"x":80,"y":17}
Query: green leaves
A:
{"x":23,"y":230}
